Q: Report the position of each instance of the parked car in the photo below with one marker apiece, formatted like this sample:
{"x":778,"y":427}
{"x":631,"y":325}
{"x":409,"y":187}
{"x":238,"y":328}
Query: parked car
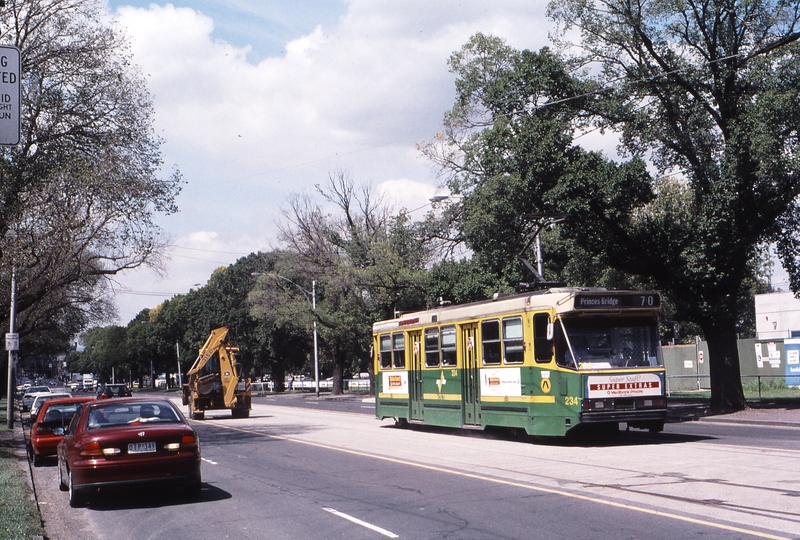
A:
{"x":125,"y":442}
{"x":50,"y":424}
{"x":45,"y":396}
{"x":112,"y":390}
{"x":30,"y":394}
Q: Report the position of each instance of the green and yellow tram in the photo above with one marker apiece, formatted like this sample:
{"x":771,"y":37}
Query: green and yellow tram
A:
{"x":546,"y":361}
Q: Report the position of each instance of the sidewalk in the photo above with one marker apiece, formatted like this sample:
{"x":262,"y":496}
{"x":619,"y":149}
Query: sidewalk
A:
{"x":21,"y":513}
{"x":15,"y":441}
{"x":785,"y":414}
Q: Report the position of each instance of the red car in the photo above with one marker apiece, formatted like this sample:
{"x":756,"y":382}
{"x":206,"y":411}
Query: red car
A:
{"x":50,"y":424}
{"x":128,"y":442}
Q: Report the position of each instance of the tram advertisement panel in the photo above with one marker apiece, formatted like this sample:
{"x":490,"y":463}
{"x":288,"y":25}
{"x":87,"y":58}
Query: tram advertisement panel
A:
{"x":632,"y":385}
{"x":501,"y":382}
{"x":395,"y":382}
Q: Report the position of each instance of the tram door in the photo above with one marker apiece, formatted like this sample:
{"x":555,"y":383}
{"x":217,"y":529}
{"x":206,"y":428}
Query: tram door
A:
{"x":471,"y":379}
{"x":415,"y":376}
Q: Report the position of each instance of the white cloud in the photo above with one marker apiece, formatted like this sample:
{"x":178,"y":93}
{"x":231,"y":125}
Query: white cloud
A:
{"x":356,"y":96}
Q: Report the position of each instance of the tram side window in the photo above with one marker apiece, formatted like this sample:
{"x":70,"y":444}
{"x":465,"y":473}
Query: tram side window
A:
{"x":432,"y":347}
{"x":399,"y":350}
{"x":542,"y":347}
{"x":513,"y":344}
{"x":386,"y":351}
{"x":490,"y":337}
{"x":449,"y":346}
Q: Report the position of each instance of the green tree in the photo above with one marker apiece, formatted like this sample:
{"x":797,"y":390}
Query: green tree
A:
{"x":79,"y":194}
{"x":711,"y":92}
{"x":366,"y":262}
{"x":104,"y":353}
{"x":725,"y":121}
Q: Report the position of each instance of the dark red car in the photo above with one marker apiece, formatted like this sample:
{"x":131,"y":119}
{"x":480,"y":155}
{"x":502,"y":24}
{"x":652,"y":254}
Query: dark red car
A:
{"x":50,"y":424}
{"x":128,"y":442}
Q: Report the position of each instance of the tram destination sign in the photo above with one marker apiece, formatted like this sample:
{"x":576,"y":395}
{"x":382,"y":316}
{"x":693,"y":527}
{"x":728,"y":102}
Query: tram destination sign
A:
{"x":618,"y":300}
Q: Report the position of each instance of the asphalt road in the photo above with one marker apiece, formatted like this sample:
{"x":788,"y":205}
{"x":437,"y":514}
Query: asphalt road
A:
{"x":303,"y":472}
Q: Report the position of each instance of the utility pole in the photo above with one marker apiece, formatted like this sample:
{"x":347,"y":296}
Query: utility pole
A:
{"x":12,"y":344}
{"x":316,"y":349}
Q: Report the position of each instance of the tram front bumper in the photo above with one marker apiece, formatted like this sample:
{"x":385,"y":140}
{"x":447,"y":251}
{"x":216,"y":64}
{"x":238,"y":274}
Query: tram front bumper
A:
{"x":595,"y":411}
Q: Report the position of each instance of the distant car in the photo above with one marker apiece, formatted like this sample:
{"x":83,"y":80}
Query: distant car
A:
{"x":45,"y":396}
{"x":30,"y":394}
{"x":50,"y":424}
{"x":126,"y":442}
{"x":113,"y":390}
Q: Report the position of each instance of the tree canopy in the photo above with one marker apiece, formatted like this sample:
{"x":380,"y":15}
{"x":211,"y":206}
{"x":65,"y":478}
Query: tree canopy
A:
{"x":79,"y":193}
{"x":706,"y":92}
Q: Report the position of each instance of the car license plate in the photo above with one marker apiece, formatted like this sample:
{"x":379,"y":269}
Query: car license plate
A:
{"x":141,"y":447}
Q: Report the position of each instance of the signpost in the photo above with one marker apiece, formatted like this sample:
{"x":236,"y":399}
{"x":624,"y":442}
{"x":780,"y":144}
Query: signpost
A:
{"x":12,"y":344}
{"x":9,"y":95}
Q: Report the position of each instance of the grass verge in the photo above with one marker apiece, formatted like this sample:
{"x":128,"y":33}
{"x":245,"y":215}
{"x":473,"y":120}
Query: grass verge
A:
{"x":19,"y":517}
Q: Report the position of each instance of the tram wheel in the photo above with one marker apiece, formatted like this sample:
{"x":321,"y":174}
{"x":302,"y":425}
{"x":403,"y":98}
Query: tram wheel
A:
{"x":401,"y":422}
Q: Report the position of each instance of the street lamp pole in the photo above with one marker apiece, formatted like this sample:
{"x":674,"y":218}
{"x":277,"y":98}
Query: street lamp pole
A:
{"x":313,"y":308}
{"x":316,"y":349}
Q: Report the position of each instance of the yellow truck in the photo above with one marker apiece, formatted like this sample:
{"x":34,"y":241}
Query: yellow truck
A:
{"x":214,"y":382}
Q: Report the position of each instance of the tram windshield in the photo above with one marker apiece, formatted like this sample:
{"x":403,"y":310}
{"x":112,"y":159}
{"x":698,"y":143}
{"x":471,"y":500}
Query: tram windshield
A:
{"x":608,"y":343}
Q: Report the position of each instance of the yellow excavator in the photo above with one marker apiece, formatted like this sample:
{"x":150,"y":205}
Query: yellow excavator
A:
{"x":214,"y":383}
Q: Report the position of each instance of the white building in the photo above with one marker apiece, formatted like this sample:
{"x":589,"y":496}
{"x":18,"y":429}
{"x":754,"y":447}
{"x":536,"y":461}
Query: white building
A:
{"x":777,"y":316}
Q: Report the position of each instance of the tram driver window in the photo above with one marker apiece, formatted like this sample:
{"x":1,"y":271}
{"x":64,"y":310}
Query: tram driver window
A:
{"x":399,"y":350}
{"x":513,"y":342}
{"x":563,"y":354}
{"x":490,"y":337}
{"x":449,"y":346}
{"x":386,"y":351}
{"x":432,"y":347}
{"x":542,"y":347}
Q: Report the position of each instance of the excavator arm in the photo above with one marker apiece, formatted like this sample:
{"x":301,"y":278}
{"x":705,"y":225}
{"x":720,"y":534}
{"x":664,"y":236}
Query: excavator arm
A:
{"x":213,"y":344}
{"x":228,"y":372}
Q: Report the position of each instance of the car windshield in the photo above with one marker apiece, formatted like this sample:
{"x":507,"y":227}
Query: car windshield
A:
{"x":608,"y":343}
{"x":60,"y":413}
{"x":114,"y":414}
{"x":36,"y":389}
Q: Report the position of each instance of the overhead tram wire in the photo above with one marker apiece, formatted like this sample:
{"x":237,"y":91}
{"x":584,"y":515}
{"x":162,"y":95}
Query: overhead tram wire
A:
{"x":287,"y":167}
{"x":369,"y":148}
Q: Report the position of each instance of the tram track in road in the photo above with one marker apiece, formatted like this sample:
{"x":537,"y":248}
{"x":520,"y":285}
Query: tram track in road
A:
{"x":716,"y":503}
{"x":733,"y":507}
{"x":750,"y":502}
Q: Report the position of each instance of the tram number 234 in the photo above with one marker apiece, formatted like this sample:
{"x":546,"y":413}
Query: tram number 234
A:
{"x":569,"y":400}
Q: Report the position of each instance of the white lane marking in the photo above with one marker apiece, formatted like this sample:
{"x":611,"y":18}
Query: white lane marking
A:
{"x":209,"y":461}
{"x":357,"y":521}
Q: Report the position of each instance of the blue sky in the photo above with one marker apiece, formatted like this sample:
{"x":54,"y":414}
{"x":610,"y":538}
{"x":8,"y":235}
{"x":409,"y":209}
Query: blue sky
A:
{"x":259,"y":101}
{"x":264,"y":26}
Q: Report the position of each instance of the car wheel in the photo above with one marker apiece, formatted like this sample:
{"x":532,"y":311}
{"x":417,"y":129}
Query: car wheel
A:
{"x":61,"y":484}
{"x":76,"y":499}
{"x":37,"y":460}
